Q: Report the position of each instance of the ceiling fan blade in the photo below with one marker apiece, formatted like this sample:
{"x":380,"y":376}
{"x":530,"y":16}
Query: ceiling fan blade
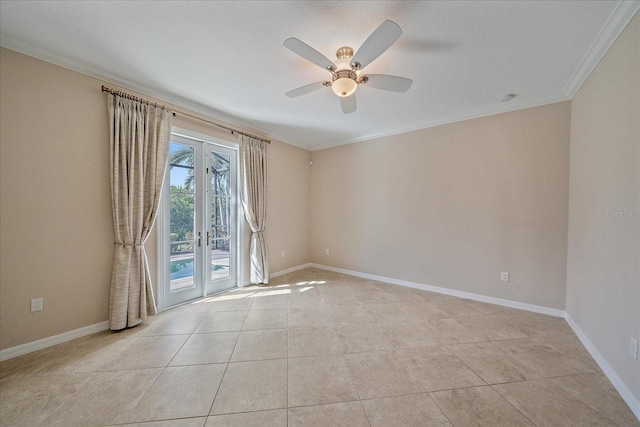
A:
{"x":348,"y":104}
{"x":303,"y":90}
{"x":308,"y":53}
{"x":386,"y":82}
{"x":379,"y":41}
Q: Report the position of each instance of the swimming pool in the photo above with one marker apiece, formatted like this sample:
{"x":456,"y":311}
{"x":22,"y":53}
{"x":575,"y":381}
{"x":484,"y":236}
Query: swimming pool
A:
{"x":184,"y":268}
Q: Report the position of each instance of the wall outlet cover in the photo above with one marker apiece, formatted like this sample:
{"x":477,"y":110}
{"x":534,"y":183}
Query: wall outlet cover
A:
{"x":37,"y":304}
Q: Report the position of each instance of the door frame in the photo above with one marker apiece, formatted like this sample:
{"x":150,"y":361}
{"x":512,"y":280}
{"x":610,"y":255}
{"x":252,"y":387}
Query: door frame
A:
{"x":162,"y":222}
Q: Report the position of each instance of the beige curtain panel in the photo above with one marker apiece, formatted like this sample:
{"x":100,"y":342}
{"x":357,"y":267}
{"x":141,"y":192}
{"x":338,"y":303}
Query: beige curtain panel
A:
{"x":139,"y":136}
{"x":253,"y":174}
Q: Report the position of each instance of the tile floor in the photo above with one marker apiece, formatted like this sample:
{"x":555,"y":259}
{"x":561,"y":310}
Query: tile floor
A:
{"x":318,"y":349}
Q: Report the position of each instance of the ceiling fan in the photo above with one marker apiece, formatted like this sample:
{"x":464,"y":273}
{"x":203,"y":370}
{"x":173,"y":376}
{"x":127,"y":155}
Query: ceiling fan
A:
{"x":346,"y":70}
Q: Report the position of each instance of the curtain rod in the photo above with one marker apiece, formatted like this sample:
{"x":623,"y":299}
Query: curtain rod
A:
{"x":144,"y":101}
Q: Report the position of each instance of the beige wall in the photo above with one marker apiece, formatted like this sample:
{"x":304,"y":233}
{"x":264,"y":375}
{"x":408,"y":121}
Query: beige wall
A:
{"x":287,"y":226}
{"x":452,"y":206}
{"x":603,"y":269}
{"x":55,"y":203}
{"x":55,"y":221}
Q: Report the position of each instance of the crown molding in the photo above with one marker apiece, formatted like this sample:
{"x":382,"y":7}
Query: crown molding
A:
{"x":623,"y":13}
{"x":63,"y":61}
{"x":452,"y":118}
{"x":618,"y":20}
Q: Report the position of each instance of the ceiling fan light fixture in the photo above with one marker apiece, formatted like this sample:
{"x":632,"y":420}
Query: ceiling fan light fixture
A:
{"x":344,"y":86}
{"x":346,"y":69}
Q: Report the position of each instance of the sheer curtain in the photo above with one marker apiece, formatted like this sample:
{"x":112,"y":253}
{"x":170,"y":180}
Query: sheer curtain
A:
{"x":253,"y":175}
{"x":139,"y":135}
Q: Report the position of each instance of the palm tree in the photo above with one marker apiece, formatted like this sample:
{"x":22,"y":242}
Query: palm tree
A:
{"x":184,"y":157}
{"x":220,"y":191}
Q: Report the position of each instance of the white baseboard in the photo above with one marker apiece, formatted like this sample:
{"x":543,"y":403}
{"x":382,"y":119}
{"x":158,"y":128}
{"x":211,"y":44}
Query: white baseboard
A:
{"x":291,"y":270}
{"x":617,"y":382}
{"x":19,"y":350}
{"x":625,"y":393}
{"x":29,"y":347}
{"x":619,"y":385}
{"x":282,"y":272}
{"x":460,"y":294}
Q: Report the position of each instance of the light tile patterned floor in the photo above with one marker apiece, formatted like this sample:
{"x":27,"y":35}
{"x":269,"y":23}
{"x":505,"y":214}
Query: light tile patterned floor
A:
{"x":318,"y":349}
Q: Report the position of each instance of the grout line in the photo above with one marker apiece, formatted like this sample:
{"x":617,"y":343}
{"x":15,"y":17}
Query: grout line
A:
{"x":511,"y":404}
{"x":441,"y":410}
{"x":342,"y":355}
{"x":227,"y":366}
{"x":324,"y":306}
{"x":365,"y":411}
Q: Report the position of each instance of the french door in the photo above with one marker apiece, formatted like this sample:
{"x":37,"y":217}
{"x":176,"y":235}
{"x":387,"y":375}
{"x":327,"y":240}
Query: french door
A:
{"x":200,"y":236}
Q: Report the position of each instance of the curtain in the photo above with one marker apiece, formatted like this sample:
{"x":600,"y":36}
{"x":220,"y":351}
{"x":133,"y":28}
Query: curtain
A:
{"x":253,"y":176}
{"x":139,"y":136}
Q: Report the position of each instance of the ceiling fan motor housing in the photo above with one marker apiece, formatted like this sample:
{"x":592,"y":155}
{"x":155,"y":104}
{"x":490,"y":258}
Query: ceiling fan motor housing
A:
{"x":345,"y":78}
{"x":344,"y":52}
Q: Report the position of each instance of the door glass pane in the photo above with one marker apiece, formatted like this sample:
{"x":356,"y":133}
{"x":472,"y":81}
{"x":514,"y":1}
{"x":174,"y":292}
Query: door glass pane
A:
{"x":220,"y":211}
{"x":198,"y":221}
{"x":182,"y":217}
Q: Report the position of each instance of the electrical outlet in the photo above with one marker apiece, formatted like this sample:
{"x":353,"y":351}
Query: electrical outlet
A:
{"x":504,"y":276}
{"x":282,"y":254}
{"x":37,"y":304}
{"x":326,"y":251}
{"x":633,"y":348}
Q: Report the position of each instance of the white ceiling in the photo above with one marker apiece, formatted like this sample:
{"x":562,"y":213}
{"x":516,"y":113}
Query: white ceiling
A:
{"x":226,"y":59}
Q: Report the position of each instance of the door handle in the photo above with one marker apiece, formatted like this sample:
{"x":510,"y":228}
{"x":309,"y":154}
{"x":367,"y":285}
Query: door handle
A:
{"x":199,"y":239}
